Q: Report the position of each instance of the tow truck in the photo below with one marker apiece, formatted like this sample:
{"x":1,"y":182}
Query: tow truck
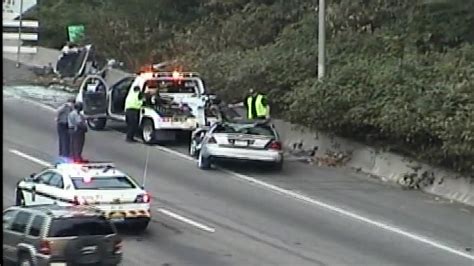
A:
{"x":185,"y":90}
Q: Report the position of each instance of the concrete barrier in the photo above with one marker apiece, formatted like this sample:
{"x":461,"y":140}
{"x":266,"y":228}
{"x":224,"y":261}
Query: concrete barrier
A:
{"x":387,"y":166}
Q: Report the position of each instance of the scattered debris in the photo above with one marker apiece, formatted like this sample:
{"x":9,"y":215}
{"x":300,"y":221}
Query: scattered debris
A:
{"x":416,"y":181}
{"x":333,"y":159}
{"x":53,"y":80}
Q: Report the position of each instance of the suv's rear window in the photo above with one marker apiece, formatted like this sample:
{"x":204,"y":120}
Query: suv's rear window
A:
{"x":110,"y":182}
{"x":80,"y":226}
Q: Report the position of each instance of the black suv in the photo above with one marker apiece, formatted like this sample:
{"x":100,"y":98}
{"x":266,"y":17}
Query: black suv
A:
{"x":58,"y":235}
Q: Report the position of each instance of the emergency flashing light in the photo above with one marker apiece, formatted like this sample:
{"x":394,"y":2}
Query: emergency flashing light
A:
{"x":146,"y":68}
{"x":147,"y":75}
{"x":63,"y":160}
{"x":176,"y":75}
{"x":87,"y":179}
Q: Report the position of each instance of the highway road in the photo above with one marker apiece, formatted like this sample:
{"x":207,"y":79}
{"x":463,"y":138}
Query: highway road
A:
{"x":304,"y":215}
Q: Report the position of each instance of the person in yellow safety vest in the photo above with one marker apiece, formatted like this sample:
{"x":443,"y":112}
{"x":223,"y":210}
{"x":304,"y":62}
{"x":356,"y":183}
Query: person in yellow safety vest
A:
{"x":257,"y":105}
{"x":133,"y":103}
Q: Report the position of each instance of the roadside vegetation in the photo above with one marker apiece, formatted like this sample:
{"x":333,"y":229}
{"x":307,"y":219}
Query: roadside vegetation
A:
{"x":400,"y":72}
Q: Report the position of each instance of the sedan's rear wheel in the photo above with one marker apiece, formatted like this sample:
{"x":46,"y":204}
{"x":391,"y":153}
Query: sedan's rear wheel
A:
{"x":278,"y":166}
{"x":204,"y":163}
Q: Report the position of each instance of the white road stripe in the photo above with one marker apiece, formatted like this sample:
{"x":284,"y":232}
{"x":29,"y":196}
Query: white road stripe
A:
{"x":327,"y":206}
{"x":177,"y":153}
{"x":187,"y":220}
{"x":335,"y":209}
{"x":30,"y":158}
{"x":352,"y":215}
{"x":39,"y":104}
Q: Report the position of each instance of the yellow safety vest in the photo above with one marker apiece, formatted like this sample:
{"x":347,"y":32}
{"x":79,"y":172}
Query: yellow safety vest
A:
{"x":260,"y":109}
{"x":132,"y":101}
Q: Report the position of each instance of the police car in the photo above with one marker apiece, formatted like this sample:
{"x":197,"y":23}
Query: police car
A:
{"x":97,"y":184}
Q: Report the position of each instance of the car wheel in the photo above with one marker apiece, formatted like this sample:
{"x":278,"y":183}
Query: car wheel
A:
{"x":25,"y":260}
{"x":278,"y":166}
{"x":148,"y":131}
{"x":97,"y":123}
{"x":19,"y":199}
{"x":140,"y":226}
{"x":204,"y":163}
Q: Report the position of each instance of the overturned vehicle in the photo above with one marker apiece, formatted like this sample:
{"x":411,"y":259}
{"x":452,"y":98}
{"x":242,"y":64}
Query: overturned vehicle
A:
{"x":75,"y":61}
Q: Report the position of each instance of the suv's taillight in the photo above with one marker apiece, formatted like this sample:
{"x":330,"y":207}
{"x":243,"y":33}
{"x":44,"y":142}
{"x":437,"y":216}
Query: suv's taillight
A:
{"x":274,"y":145}
{"x":143,"y":198}
{"x":118,"y":246}
{"x":44,"y":247}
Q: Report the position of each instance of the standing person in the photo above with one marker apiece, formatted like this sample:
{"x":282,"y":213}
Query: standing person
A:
{"x":133,"y":103}
{"x":77,"y":131}
{"x":62,"y":114}
{"x":257,"y":105}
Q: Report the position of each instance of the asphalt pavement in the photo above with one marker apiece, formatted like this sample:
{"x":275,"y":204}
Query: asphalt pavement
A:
{"x":245,"y":215}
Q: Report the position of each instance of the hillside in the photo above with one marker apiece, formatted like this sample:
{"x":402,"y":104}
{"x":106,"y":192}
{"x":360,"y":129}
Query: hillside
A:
{"x":400,"y":72}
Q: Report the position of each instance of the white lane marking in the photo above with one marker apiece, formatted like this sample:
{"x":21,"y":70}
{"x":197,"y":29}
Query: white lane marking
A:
{"x":327,"y":206}
{"x":352,"y":215}
{"x":324,"y":205}
{"x":30,"y":158}
{"x":177,"y":153}
{"x":39,"y":104}
{"x":186,"y":220}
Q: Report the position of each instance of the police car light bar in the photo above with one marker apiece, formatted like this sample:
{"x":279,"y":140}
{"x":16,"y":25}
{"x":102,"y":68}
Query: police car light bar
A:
{"x":174,"y":75}
{"x":90,"y":165}
{"x":97,"y":165}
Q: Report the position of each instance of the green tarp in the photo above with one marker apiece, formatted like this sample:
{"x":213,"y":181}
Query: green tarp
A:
{"x":75,"y":32}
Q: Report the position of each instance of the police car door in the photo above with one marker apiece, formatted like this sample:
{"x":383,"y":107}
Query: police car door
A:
{"x":55,"y":189}
{"x":36,"y":194}
{"x":93,"y":93}
{"x":118,"y":94}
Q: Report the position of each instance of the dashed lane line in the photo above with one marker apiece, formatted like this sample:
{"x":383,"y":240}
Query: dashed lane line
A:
{"x":187,"y":220}
{"x":30,"y":158}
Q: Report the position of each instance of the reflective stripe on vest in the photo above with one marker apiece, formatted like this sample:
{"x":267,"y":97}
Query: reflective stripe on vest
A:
{"x":132,"y":101}
{"x":261,"y":109}
{"x":249,"y":107}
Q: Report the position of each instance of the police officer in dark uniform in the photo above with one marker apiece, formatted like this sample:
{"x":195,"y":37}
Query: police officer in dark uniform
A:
{"x":77,"y":130}
{"x":62,"y":126}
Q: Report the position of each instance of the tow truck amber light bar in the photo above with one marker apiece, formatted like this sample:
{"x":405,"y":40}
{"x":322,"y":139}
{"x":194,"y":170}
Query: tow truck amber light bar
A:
{"x":174,"y":75}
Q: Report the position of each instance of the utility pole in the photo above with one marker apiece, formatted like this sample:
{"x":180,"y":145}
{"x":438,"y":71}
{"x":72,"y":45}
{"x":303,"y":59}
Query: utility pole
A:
{"x":19,"y":35}
{"x":321,"y":39}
